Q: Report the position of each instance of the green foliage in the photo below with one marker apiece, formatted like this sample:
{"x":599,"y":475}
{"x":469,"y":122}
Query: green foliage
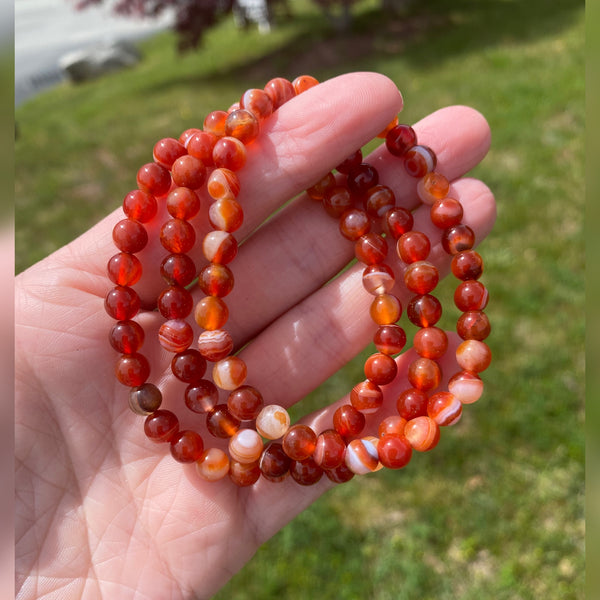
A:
{"x":497,"y":510}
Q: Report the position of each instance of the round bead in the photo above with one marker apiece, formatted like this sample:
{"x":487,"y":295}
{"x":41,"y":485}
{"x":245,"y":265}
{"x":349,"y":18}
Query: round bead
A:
{"x":466,"y":386}
{"x":471,"y":295}
{"x":299,"y":442}
{"x":214,"y":123}
{"x":187,"y":446}
{"x":394,"y":451}
{"x":424,"y":374}
{"x":183,"y":203}
{"x":245,"y":446}
{"x":175,"y":302}
{"x":380,"y":369}
{"x":393,"y":424}
{"x":175,"y":335}
{"x":280,"y":90}
{"x":229,"y":373}
{"x":124,"y":269}
{"x":473,"y":325}
{"x":229,"y":153}
{"x":188,"y":366}
{"x":423,"y":433}
{"x":212,"y":465}
{"x":201,"y":396}
{"x":226,"y":215}
{"x":178,"y":269}
{"x":122,"y":303}
{"x":361,"y":456}
{"x":385,"y":309}
{"x":126,"y":337}
{"x":371,"y":249}
{"x":444,"y":408}
{"x":424,"y":310}
{"x":348,"y":421}
{"x":303,"y":83}
{"x":431,"y":342}
{"x":188,"y":171}
{"x":154,"y":179}
{"x":413,"y":246}
{"x":337,"y":201}
{"x":350,"y":162}
{"x":161,"y":426}
{"x":380,"y":199}
{"x":305,"y":472}
{"x":378,"y":279}
{"x":215,"y":345}
{"x":245,"y":403}
{"x":412,"y":403}
{"x":258,"y":102}
{"x":244,"y":474}
{"x":362,"y":178}
{"x":223,"y":183}
{"x":211,"y":313}
{"x":447,"y":212}
{"x":421,"y":277}
{"x":433,"y":187}
{"x":221,"y":423}
{"x":145,"y":399}
{"x":467,"y":264}
{"x":329,"y":450}
{"x":167,"y":151}
{"x":274,"y":463}
{"x":219,"y":247}
{"x":419,"y":160}
{"x":140,"y":206}
{"x":130,"y":236}
{"x":474,"y":356}
{"x":185,"y":135}
{"x":201,"y":145}
{"x":177,"y":236}
{"x":367,"y":398}
{"x":242,"y":124}
{"x":340,"y":474}
{"x":398,"y":221}
{"x":393,"y":123}
{"x":390,"y":339}
{"x":321,"y":187}
{"x":354,"y":223}
{"x":272,"y":422}
{"x":400,"y":139}
{"x":216,"y":280}
{"x":458,"y":238}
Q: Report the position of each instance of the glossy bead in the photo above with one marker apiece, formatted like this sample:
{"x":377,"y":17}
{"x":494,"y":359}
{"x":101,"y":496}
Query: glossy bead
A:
{"x":444,"y":408}
{"x":378,"y":279}
{"x":385,"y":309}
{"x":419,"y":160}
{"x":337,"y":201}
{"x":229,"y":373}
{"x":245,"y":403}
{"x":458,"y":238}
{"x":185,"y":135}
{"x":280,"y":90}
{"x":229,"y":153}
{"x":183,"y":203}
{"x":274,"y":463}
{"x":226,"y":215}
{"x":140,"y":206}
{"x":186,"y":446}
{"x":175,"y":302}
{"x":167,"y":151}
{"x":424,"y":310}
{"x":223,"y":183}
{"x":272,"y":422}
{"x":471,"y":295}
{"x":367,"y":398}
{"x":178,"y":269}
{"x":214,"y":123}
{"x":124,"y":269}
{"x":305,"y":472}
{"x":466,"y":386}
{"x":473,"y":325}
{"x":329,"y":450}
{"x":412,"y":403}
{"x":126,"y":337}
{"x":245,"y":446}
{"x":212,"y":465}
{"x":354,"y":223}
{"x":393,"y":123}
{"x":431,"y":342}
{"x":361,"y":456}
{"x":145,"y":399}
{"x":244,"y":474}
{"x":398,"y":221}
{"x":201,"y":145}
{"x":215,"y":345}
{"x":474,"y":356}
{"x":177,"y":236}
{"x":350,"y":162}
{"x":188,"y":171}
{"x":362,"y":178}
{"x":421,"y":277}
{"x":175,"y":335}
{"x":258,"y":102}
{"x":161,"y":426}
{"x":201,"y":396}
{"x":389,"y":339}
{"x":211,"y":313}
{"x":216,"y":280}
{"x":371,"y":249}
{"x":154,"y":179}
{"x":189,"y":366}
{"x":379,"y":200}
{"x":221,"y":423}
{"x":423,"y":433}
{"x":348,"y":421}
{"x":299,"y":442}
{"x":433,"y":187}
{"x":394,"y":451}
{"x":392,"y":425}
{"x":413,"y":246}
{"x":467,"y":264}
{"x":400,"y":139}
{"x":445,"y":213}
{"x":424,"y":374}
{"x":341,"y":474}
{"x":321,"y":187}
{"x":219,"y":247}
{"x":122,"y":303}
{"x":380,"y":369}
{"x":130,"y":236}
{"x":303,"y":83}
{"x":242,"y":125}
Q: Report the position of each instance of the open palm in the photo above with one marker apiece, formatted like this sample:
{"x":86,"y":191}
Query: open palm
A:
{"x":104,"y":513}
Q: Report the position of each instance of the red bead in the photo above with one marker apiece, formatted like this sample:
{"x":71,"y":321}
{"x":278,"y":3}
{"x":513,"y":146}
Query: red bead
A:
{"x":186,"y":446}
{"x":124,"y":269}
{"x":385,"y":309}
{"x":419,"y":160}
{"x":433,"y":187}
{"x":223,"y":183}
{"x":337,"y":201}
{"x":392,"y":425}
{"x":221,"y":423}
{"x":161,"y":426}
{"x":201,"y":145}
{"x":447,"y":212}
{"x":188,"y":366}
{"x":354,"y":223}
{"x":178,"y":269}
{"x":351,"y":162}
{"x":329,"y":450}
{"x":229,"y":153}
{"x":474,"y":356}
{"x":413,"y":246}
{"x":431,"y":342}
{"x":214,"y":123}
{"x":340,"y":474}
{"x":371,"y":249}
{"x":244,"y":474}
{"x":132,"y":369}
{"x":145,"y":399}
{"x":421,"y":277}
{"x":219,"y":247}
{"x":394,"y":451}
{"x":319,"y":189}
{"x":400,"y":139}
{"x":466,"y":386}
{"x":348,"y":421}
{"x":398,"y":221}
{"x":188,"y":171}
{"x":243,"y":125}
{"x":201,"y":396}
{"x":229,"y":373}
{"x":175,"y":335}
{"x":424,"y":310}
{"x":280,"y":90}
{"x":424,"y":374}
{"x":185,"y":135}
{"x":154,"y":179}
{"x":211,"y":313}
{"x":130,"y":236}
{"x":167,"y":151}
{"x":458,"y":238}
{"x":303,"y":83}
{"x":367,"y":398}
{"x":473,"y":325}
{"x":175,"y":302}
{"x":122,"y":303}
{"x":177,"y":236}
{"x":423,"y":433}
{"x":274,"y":463}
{"x":362,"y":178}
{"x":245,"y":403}
{"x":467,"y":264}
{"x":126,"y":337}
{"x":183,"y":203}
{"x":381,"y":369}
{"x":140,"y":206}
{"x":471,"y":295}
{"x":258,"y":102}
{"x":299,"y":442}
{"x":305,"y":472}
{"x":380,"y":199}
{"x":216,"y":280}
{"x":393,"y":123}
{"x":444,"y":408}
{"x":226,"y":215}
{"x":378,"y":279}
{"x":390,"y":339}
{"x":412,"y":403}
{"x":215,"y":345}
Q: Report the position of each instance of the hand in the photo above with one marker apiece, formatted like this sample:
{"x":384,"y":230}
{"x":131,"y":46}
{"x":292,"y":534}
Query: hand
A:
{"x":103,"y":512}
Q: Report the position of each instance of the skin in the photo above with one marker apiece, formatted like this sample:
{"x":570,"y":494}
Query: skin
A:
{"x":101,"y":511}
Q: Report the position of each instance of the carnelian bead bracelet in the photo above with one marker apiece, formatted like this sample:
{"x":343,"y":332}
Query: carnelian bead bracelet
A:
{"x":259,"y":440}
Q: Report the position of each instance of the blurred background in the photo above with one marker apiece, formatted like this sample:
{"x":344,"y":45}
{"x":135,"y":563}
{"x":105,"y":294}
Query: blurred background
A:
{"x":497,"y":510}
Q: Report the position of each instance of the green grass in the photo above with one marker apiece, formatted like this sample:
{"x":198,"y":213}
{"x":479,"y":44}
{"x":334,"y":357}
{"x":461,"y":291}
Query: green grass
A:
{"x":497,"y":510}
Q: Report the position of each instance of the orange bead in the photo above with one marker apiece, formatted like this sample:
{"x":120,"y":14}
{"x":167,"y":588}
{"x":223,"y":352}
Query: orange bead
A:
{"x":219,"y":247}
{"x":215,"y":345}
{"x":329,"y":450}
{"x":385,"y":309}
{"x":175,"y":335}
{"x":380,"y":369}
{"x":433,"y":187}
{"x":366,"y":397}
{"x":214,"y":123}
{"x":230,"y":153}
{"x":187,"y":446}
{"x":473,"y":325}
{"x":303,"y":83}
{"x":413,"y":246}
{"x":272,"y":422}
{"x":458,"y":238}
{"x":353,"y":223}
{"x":183,"y":203}
{"x":212,"y":465}
{"x":305,"y":472}
{"x":412,"y":403}
{"x":393,"y":123}
{"x":394,"y":451}
{"x":380,"y":199}
{"x":378,"y":279}
{"x":223,"y":183}
{"x":244,"y":474}
{"x":444,"y":408}
{"x":201,"y":144}
{"x":258,"y":102}
{"x":474,"y":356}
{"x":211,"y":313}
{"x":371,"y":249}
{"x":221,"y":423}
{"x":394,"y":424}
{"x":299,"y":442}
{"x":361,"y":456}
{"x":419,"y":160}
{"x":319,"y":189}
{"x":466,"y":386}
{"x":177,"y":236}
{"x":424,"y":374}
{"x":431,"y":342}
{"x":216,"y":280}
{"x":229,"y":373}
{"x":447,"y":212}
{"x":423,"y":433}
{"x":242,"y":125}
{"x":226,"y":215}
{"x":467,"y":264}
{"x":390,"y":339}
{"x":245,"y":446}
{"x":188,"y":171}
{"x":337,"y":201}
{"x":245,"y":402}
{"x":421,"y":277}
{"x":280,"y":90}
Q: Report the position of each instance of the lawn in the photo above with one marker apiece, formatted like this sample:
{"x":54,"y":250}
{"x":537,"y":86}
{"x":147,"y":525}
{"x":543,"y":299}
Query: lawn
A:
{"x":497,"y":510}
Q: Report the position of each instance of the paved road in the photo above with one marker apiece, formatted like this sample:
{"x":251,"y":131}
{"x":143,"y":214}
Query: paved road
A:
{"x":47,"y":29}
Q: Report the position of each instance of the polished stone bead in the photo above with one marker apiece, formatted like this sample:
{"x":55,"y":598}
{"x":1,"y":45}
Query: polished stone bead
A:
{"x":140,"y":206}
{"x":175,"y":302}
{"x":175,"y":335}
{"x":216,"y":280}
{"x":303,"y":83}
{"x":421,"y":277}
{"x":280,"y":90}
{"x":321,"y":187}
{"x":329,"y":450}
{"x":393,"y":123}
{"x":398,"y":221}
{"x":466,"y":386}
{"x":273,"y":421}
{"x":274,"y":463}
{"x":361,"y":456}
{"x":229,"y":373}
{"x":177,"y":236}
{"x":378,"y":279}
{"x":299,"y":442}
{"x":245,"y":446}
{"x":400,"y":139}
{"x":350,"y":162}
{"x":212,"y":465}
{"x":424,"y":310}
{"x":126,"y":337}
{"x":154,"y":179}
{"x":219,"y":247}
{"x":431,"y":342}
{"x":245,"y":403}
{"x":424,"y":374}
{"x":122,"y":303}
{"x":385,"y":309}
{"x":201,"y":396}
{"x":124,"y":269}
{"x":473,"y":325}
{"x":348,"y":421}
{"x":471,"y":295}
{"x":305,"y":472}
{"x":214,"y":123}
{"x":186,"y":134}
{"x":367,"y":398}
{"x":211,"y":313}
{"x":183,"y":203}
{"x":187,"y":446}
{"x":458,"y":238}
{"x":379,"y":200}
{"x":178,"y":269}
{"x":444,"y":408}
{"x":393,"y":424}
{"x":467,"y":264}
{"x":167,"y":151}
{"x":129,"y":236}
{"x":341,"y":474}
{"x":337,"y":201}
{"x":226,"y":215}
{"x":145,"y":399}
{"x":229,"y":153}
{"x":223,"y":183}
{"x":380,"y":369}
{"x":432,"y":187}
{"x":189,"y":366}
{"x":394,"y":451}
{"x":244,"y":474}
{"x":412,"y":403}
{"x":188,"y":171}
{"x":200,"y":145}
{"x":423,"y":433}
{"x":445,"y":213}
{"x":161,"y":426}
{"x":354,"y":223}
{"x":258,"y":102}
{"x":362,"y":178}
{"x":389,"y":339}
{"x":371,"y":249}
{"x":215,"y":345}
{"x":419,"y":160}
{"x":413,"y":246}
{"x":221,"y":423}
{"x":242,"y":125}
{"x":474,"y":356}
